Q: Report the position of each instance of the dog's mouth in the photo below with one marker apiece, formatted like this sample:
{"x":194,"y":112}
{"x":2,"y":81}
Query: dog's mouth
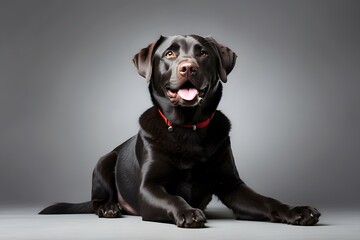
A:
{"x":187,"y":95}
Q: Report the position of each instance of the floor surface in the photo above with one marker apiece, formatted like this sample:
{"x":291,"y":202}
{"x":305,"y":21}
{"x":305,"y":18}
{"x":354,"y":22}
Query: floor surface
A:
{"x":24,"y":223}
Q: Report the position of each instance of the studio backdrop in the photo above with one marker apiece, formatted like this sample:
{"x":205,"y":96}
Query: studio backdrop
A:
{"x":69,"y":92}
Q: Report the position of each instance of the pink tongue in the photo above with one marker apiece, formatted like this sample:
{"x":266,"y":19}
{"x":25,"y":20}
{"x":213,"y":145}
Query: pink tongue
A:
{"x":188,"y":94}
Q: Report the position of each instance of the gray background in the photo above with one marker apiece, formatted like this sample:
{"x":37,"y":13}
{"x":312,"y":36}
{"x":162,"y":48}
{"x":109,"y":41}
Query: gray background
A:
{"x":69,"y":92}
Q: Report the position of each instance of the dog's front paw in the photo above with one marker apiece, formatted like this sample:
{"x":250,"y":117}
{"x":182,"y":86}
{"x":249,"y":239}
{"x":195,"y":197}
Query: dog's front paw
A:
{"x":109,"y":210}
{"x":302,"y":215}
{"x":191,"y":218}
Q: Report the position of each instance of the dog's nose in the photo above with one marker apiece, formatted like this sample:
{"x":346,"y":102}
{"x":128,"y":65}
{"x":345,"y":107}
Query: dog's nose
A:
{"x":187,"y":68}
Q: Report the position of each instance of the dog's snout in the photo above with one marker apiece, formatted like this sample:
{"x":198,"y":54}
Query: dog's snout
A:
{"x":187,"y":68}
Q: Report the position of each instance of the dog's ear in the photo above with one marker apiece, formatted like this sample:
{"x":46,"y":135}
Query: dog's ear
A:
{"x":226,"y":56}
{"x":143,"y":59}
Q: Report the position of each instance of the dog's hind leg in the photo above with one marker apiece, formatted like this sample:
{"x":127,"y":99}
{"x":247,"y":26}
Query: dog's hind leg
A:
{"x":104,"y":193}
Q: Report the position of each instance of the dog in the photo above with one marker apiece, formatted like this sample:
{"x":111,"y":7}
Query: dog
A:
{"x":181,"y":155}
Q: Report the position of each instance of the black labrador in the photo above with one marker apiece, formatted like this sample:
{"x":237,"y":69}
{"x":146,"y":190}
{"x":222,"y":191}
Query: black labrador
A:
{"x":181,"y":156}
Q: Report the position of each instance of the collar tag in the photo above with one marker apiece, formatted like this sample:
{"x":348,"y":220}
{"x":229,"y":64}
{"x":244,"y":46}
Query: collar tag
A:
{"x":170,"y":129}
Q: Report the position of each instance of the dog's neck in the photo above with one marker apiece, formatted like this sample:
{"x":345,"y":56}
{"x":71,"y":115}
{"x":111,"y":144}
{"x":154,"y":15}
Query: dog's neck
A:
{"x":194,"y":126}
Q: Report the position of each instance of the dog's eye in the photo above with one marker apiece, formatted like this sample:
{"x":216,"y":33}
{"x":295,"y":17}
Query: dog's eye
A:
{"x":170,"y":54}
{"x":203,"y":53}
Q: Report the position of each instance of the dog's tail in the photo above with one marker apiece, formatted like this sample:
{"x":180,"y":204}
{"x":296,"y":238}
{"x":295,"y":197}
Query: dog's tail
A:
{"x":69,"y":208}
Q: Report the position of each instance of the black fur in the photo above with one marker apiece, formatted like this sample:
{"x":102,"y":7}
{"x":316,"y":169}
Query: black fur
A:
{"x":69,"y":208}
{"x":171,"y":176}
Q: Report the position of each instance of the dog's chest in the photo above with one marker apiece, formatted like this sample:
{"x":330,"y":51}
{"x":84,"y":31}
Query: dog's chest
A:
{"x":189,"y":151}
{"x":190,"y":184}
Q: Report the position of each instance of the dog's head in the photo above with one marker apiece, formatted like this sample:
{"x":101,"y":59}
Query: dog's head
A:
{"x":184,"y":72}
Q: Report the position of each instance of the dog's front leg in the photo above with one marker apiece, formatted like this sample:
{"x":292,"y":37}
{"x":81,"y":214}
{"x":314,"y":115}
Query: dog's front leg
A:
{"x":158,"y":205}
{"x":250,"y":205}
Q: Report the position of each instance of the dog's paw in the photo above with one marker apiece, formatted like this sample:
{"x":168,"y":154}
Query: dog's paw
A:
{"x":109,"y":210}
{"x":191,"y":218}
{"x":302,"y":215}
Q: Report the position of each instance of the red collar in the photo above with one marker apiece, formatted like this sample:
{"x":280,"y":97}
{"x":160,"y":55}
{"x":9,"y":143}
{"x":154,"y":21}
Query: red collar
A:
{"x":193,"y":126}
